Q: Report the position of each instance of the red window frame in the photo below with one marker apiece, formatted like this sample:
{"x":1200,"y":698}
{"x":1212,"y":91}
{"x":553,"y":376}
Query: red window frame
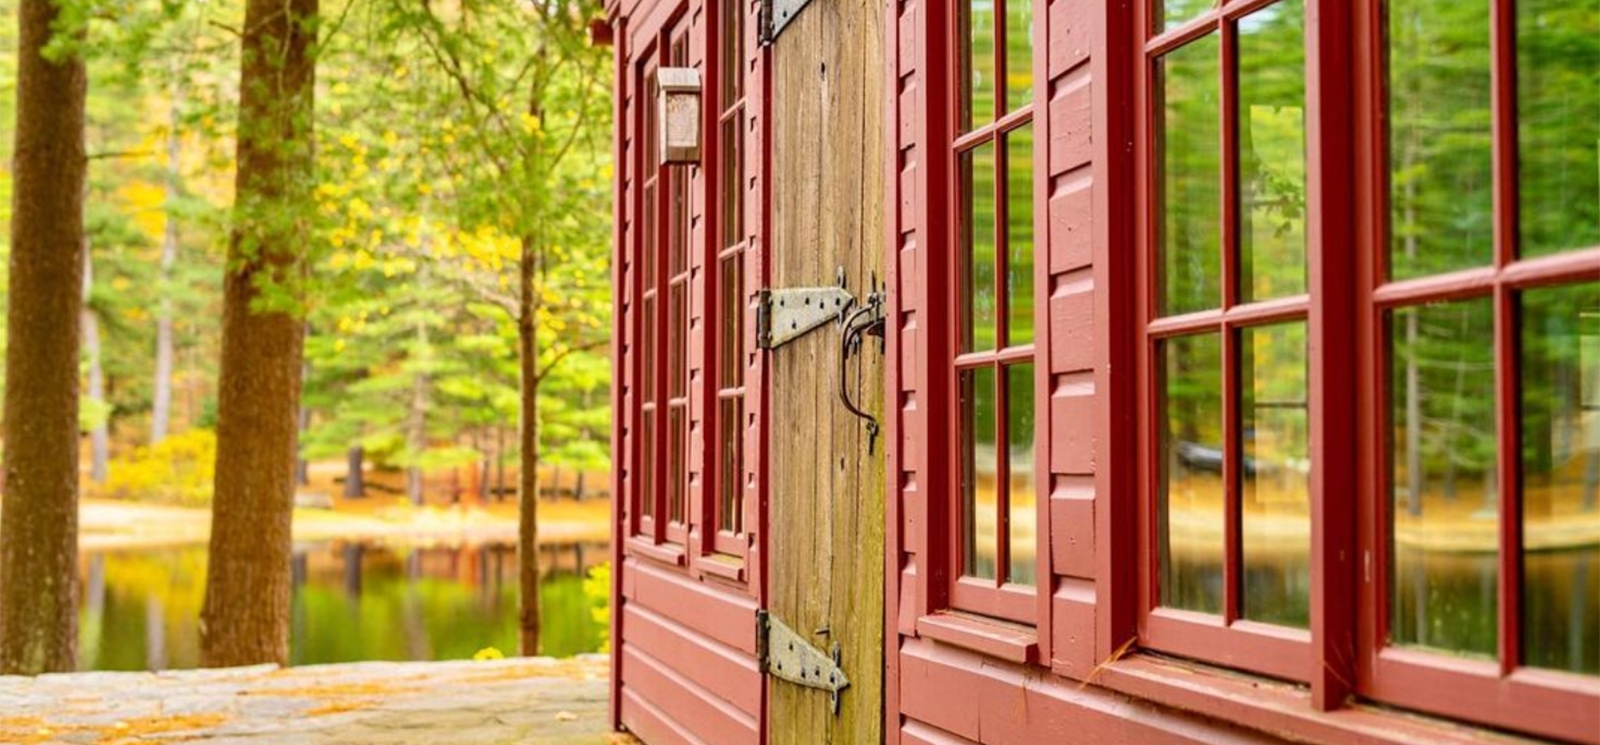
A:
{"x":1500,"y":692}
{"x":995,"y":597}
{"x":1346,"y":651}
{"x":728,"y":300}
{"x":1228,"y":639}
{"x":663,"y":384}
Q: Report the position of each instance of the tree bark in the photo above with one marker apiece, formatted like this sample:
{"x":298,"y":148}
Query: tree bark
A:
{"x":39,"y":536}
{"x":355,"y":486}
{"x":528,"y":444}
{"x":245,"y":619}
{"x":100,"y":433}
{"x":161,"y":401}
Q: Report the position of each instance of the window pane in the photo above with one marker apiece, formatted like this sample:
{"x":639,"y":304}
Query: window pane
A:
{"x":978,"y":239}
{"x":678,"y":238}
{"x":677,"y":341}
{"x":1561,"y":477}
{"x":1020,"y":486}
{"x":1019,"y":53}
{"x":676,"y":432}
{"x":1191,"y":508}
{"x":1169,"y":13}
{"x":977,"y":63}
{"x":647,"y":464}
{"x":732,"y":51}
{"x":1275,"y":533}
{"x":647,"y":235}
{"x":1558,"y":118}
{"x":1440,"y":148}
{"x":1019,"y":236}
{"x":1190,"y":193}
{"x":731,"y":348}
{"x":1272,"y":153}
{"x":980,"y":472}
{"x":732,"y":480}
{"x":647,"y":334}
{"x":1445,"y":503}
{"x":732,"y":181}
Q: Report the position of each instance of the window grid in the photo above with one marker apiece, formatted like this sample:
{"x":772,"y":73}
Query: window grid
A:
{"x":1010,"y":115}
{"x":730,"y":411}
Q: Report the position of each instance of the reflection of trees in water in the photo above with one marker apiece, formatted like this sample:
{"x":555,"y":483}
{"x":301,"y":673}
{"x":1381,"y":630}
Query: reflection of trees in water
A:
{"x":351,"y":601}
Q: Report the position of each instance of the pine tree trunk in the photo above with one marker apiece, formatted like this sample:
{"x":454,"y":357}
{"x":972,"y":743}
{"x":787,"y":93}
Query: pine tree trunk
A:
{"x":245,"y":619}
{"x":528,"y":443}
{"x":39,"y":536}
{"x":100,"y":434}
{"x":355,"y":486}
{"x":161,"y":401}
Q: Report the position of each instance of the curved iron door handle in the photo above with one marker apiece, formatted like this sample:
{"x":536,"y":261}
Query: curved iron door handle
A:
{"x":866,"y":320}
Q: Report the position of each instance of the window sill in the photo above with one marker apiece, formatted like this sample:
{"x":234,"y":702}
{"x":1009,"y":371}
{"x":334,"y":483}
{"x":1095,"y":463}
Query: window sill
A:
{"x":665,"y":553}
{"x":1002,"y":639}
{"x":722,"y":566}
{"x":1276,"y":707}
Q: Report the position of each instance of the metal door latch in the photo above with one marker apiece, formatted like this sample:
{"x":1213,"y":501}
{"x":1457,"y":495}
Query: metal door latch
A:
{"x":786,"y":314}
{"x":864,"y":321}
{"x":783,"y":653}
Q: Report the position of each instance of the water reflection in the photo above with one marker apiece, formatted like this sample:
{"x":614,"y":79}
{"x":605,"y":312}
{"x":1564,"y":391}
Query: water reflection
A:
{"x":352,"y":601}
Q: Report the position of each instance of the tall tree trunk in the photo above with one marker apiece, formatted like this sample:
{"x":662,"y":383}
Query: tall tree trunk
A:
{"x":528,"y":444}
{"x":100,"y":433}
{"x":161,"y":401}
{"x":39,"y":536}
{"x":417,"y":425}
{"x":245,"y":619}
{"x":355,"y":486}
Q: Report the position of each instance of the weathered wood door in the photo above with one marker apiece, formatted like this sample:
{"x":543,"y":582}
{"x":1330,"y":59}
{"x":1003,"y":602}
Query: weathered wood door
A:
{"x":826,"y":508}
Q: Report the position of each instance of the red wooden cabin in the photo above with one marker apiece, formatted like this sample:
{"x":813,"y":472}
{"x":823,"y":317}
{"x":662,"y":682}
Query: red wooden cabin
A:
{"x":1107,"y":371}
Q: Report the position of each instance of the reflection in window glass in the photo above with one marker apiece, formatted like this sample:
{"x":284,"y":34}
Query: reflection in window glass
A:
{"x":978,"y":254}
{"x":732,"y":465}
{"x":977,"y":63}
{"x":1169,"y":13}
{"x":732,"y":311}
{"x":647,"y":465}
{"x":1558,"y":124}
{"x":1272,"y":153}
{"x":1019,"y":53}
{"x":1190,"y":172}
{"x":1275,"y":473}
{"x":1440,"y":147}
{"x":1019,"y":236}
{"x":1443,"y":481}
{"x":979,"y":474}
{"x":1561,"y":477}
{"x":1191,"y":508}
{"x":732,"y":181}
{"x":1023,"y":514}
{"x":675,"y":462}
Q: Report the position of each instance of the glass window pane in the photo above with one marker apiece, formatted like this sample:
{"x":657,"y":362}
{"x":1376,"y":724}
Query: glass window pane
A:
{"x":732,"y":181}
{"x":977,"y":63}
{"x":1272,"y":153}
{"x":678,"y":237}
{"x":1020,"y":484}
{"x":1019,"y":236}
{"x":1561,"y":477}
{"x":732,"y":477}
{"x":1558,"y":124}
{"x":731,"y":348}
{"x":1444,"y":496}
{"x":980,"y":473}
{"x":732,"y":51}
{"x":647,"y":235}
{"x":647,"y":464}
{"x":1190,"y":510}
{"x":1440,"y":148}
{"x":978,"y":248}
{"x":1167,"y":14}
{"x":1189,"y":197}
{"x":1275,"y":498}
{"x":647,"y":354}
{"x":676,"y":433}
{"x":1019,"y":53}
{"x":677,"y":341}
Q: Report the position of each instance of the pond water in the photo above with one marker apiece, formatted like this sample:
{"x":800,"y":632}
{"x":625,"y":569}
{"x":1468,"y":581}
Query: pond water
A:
{"x":352,"y":601}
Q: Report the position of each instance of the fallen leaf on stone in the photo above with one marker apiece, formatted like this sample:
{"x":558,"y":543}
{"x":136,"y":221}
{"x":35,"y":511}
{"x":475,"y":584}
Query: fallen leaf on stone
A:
{"x":566,"y":716}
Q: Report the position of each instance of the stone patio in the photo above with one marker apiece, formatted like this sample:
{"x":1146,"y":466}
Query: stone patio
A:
{"x":532,"y":701}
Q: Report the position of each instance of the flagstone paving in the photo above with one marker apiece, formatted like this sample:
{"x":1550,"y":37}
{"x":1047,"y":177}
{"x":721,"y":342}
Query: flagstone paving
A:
{"x":527,"y":701}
